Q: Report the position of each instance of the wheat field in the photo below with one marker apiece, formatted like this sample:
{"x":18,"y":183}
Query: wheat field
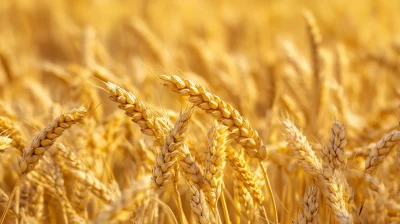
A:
{"x":188,"y":111}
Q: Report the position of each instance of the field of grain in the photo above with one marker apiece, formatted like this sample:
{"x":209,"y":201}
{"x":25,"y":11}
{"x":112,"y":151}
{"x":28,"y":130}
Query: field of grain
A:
{"x":189,"y":111}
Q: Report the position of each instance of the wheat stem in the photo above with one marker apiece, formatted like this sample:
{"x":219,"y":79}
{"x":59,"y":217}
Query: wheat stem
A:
{"x":271,"y":194}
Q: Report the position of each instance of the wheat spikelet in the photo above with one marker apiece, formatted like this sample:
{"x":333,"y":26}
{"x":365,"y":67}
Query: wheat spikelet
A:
{"x":166,"y":159}
{"x":301,"y":148}
{"x":150,"y":124}
{"x":220,"y":110}
{"x":46,"y":138}
{"x":216,"y":160}
{"x":244,"y":174}
{"x":8,"y":126}
{"x":381,"y":150}
{"x":244,"y":197}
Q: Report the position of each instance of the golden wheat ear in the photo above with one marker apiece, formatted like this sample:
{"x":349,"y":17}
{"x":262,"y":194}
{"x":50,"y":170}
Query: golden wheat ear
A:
{"x":150,"y":123}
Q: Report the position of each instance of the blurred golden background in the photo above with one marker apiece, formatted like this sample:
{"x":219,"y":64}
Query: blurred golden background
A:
{"x":308,"y":62}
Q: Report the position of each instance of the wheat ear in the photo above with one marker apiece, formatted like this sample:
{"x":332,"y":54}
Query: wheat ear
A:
{"x":337,"y":144}
{"x":301,"y":148}
{"x":311,"y":207}
{"x":216,"y":160}
{"x":332,"y":182}
{"x":199,"y":206}
{"x":166,"y":158}
{"x":244,"y":197}
{"x":46,"y":138}
{"x":381,"y":150}
{"x":333,"y":154}
{"x":334,"y":191}
{"x":166,"y":167}
{"x":149,"y":122}
{"x":244,"y":174}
